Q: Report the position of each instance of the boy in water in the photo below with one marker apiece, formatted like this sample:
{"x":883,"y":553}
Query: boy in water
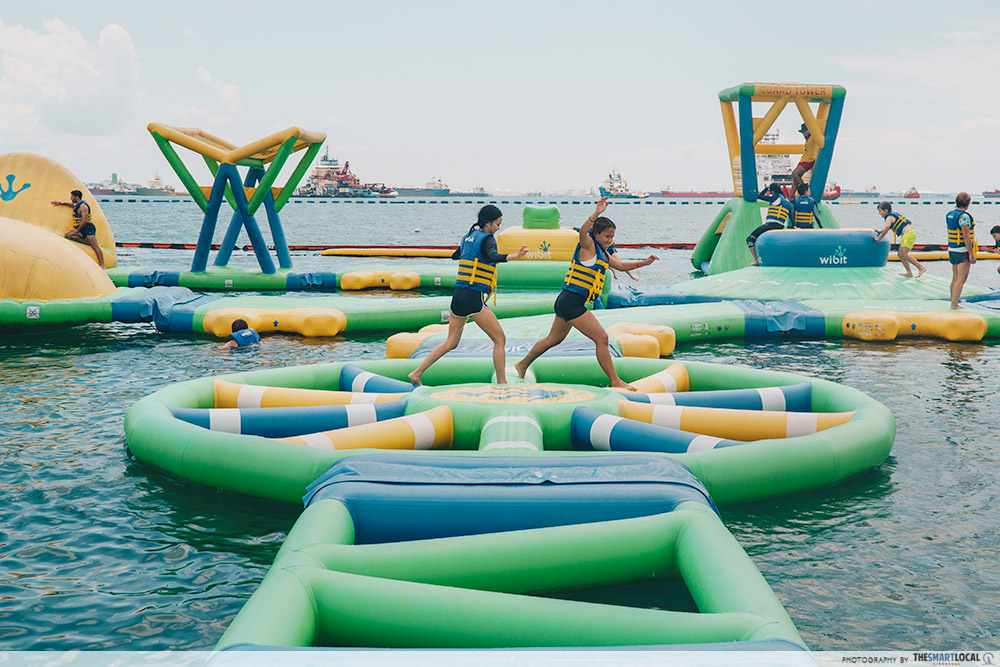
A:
{"x":242,"y":336}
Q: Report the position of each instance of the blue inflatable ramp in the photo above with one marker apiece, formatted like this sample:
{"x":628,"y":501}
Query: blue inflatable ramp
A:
{"x":401,"y":496}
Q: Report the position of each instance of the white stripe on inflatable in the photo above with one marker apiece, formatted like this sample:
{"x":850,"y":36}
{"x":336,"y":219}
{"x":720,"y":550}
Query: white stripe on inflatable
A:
{"x":801,"y":423}
{"x":662,"y":399}
{"x":511,"y":444}
{"x":668,"y":381}
{"x":600,"y":432}
{"x":667,"y":415}
{"x":361,"y":414}
{"x":423,"y":430}
{"x":250,"y":396}
{"x":512,"y":418}
{"x":359,"y":382}
{"x":772,"y":398}
{"x":360,"y":399}
{"x":226,"y":420}
{"x":703,"y":443}
{"x":317,"y":440}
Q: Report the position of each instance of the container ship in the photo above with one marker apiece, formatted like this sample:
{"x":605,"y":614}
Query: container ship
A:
{"x":991,"y":193}
{"x":614,"y":186}
{"x":867,"y":193}
{"x":433,"y":189}
{"x":112,"y":186}
{"x":155,"y":188}
{"x":692,"y":195}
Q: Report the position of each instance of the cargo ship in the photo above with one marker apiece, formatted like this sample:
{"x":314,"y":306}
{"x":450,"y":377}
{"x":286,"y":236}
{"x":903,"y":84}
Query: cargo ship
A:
{"x":991,"y":193}
{"x":155,"y":188}
{"x":112,"y":186}
{"x":867,"y":193}
{"x":616,"y":187}
{"x":329,"y":179}
{"x":912,"y":193}
{"x":433,"y":189}
{"x":692,"y":195}
{"x":475,"y":192}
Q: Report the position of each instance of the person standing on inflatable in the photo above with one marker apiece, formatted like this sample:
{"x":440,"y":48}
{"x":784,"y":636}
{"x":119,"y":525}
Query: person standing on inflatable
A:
{"x":902,"y":228}
{"x":809,"y":155}
{"x":778,"y":214}
{"x":961,"y":245}
{"x":583,"y":283}
{"x":477,"y":278}
{"x":805,"y":212}
{"x":83,"y":230}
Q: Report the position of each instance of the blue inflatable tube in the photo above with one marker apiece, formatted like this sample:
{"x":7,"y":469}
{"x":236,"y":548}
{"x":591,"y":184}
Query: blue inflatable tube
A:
{"x":791,"y":398}
{"x":285,"y":422}
{"x":399,"y":496}
{"x":822,"y":248}
{"x":593,"y":430}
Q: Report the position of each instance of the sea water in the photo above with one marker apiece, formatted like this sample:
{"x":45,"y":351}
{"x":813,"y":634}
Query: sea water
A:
{"x":100,"y":551}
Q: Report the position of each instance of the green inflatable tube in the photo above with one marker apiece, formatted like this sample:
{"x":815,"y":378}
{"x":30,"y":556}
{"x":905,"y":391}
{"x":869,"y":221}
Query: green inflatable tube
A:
{"x":486,"y":591}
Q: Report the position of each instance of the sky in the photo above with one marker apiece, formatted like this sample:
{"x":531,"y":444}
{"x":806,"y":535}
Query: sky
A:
{"x":513,"y":96}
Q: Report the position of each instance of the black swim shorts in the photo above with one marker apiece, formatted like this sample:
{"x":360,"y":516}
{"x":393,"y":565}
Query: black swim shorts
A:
{"x":570,"y":305}
{"x":87,"y":229}
{"x":467,"y":302}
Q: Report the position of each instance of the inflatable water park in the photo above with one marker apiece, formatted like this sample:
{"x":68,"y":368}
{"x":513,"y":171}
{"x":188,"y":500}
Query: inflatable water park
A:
{"x":463,"y":513}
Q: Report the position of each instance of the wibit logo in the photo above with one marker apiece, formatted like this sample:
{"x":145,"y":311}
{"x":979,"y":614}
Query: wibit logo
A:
{"x":10,"y":192}
{"x":541,"y":253}
{"x":839,"y":256}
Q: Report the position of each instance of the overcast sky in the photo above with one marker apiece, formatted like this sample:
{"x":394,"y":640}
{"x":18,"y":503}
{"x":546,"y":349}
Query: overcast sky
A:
{"x":511,"y":95}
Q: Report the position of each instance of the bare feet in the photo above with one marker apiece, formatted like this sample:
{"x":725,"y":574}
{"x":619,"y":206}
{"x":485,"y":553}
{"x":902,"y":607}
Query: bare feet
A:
{"x":521,"y":370}
{"x":501,"y":381}
{"x":907,"y":274}
{"x":921,"y":272}
{"x":757,"y":263}
{"x":414,"y":377}
{"x":621,"y":385}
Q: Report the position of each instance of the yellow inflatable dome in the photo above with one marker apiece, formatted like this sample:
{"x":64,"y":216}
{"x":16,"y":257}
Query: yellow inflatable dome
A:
{"x":37,"y":264}
{"x":28,"y":185}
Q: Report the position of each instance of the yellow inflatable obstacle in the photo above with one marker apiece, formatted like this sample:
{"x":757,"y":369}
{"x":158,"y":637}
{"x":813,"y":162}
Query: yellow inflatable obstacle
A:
{"x":36,"y":264}
{"x":307,"y":321}
{"x":29,"y":184}
{"x":540,"y":231}
{"x":958,"y":325}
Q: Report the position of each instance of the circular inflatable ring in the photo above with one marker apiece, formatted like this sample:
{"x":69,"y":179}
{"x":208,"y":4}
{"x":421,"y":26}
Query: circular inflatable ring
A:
{"x":745,"y":433}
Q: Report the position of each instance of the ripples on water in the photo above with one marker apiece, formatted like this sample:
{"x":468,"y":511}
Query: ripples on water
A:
{"x":101,"y":551}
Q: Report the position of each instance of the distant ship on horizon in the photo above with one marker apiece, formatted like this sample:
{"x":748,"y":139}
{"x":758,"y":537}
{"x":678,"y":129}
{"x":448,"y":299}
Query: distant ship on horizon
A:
{"x":871,"y":192}
{"x":708,"y":193}
{"x":155,"y":187}
{"x":616,"y":187}
{"x":434,"y":188}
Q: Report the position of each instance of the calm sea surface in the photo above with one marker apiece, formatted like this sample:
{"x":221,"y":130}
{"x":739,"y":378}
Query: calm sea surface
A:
{"x":100,"y":551}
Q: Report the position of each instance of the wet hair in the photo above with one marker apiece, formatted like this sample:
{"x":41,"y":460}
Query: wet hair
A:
{"x":487,"y":214}
{"x":995,"y":230}
{"x":602,"y":224}
{"x":76,"y":193}
{"x":802,"y":189}
{"x":885,"y":206}
{"x":239,"y":325}
{"x":963,"y":200}
{"x":775,"y":188}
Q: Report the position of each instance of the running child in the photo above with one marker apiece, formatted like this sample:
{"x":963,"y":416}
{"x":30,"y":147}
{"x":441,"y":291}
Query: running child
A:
{"x":477,"y":278}
{"x":583,"y":284}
